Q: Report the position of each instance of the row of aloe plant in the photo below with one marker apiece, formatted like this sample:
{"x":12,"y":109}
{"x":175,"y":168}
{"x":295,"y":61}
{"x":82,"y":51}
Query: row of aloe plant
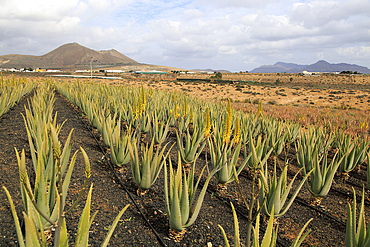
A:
{"x":44,"y":200}
{"x":194,"y":144}
{"x":12,"y":90}
{"x":259,"y":136}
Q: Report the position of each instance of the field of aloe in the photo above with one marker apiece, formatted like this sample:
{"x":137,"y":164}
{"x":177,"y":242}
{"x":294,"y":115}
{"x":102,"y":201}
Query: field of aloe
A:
{"x":90,"y":163}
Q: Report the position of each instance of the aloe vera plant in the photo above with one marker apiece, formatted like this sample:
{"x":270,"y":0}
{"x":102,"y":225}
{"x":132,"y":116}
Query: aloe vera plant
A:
{"x":353,"y":153}
{"x":11,"y":92}
{"x":259,"y":152}
{"x":194,"y":145}
{"x":223,"y":159}
{"x":270,"y":236}
{"x":34,"y":238}
{"x":276,"y":136}
{"x":322,"y":175}
{"x":276,"y":191}
{"x":356,"y":234}
{"x":43,"y":206}
{"x":160,"y":129}
{"x":119,"y":146}
{"x":146,"y":168}
{"x":181,"y":207}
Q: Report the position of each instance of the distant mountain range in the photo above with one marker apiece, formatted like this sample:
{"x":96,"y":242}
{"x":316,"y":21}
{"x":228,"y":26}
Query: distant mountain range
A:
{"x":75,"y":56}
{"x":212,"y":70}
{"x":320,"y":66}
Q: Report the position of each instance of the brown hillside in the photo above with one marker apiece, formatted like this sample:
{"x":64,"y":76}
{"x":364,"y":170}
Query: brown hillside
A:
{"x":75,"y":54}
{"x":68,"y":56}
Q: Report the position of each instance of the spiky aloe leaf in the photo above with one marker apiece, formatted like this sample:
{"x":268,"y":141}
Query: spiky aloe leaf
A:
{"x":298,"y":240}
{"x":199,"y":202}
{"x":84,"y":224}
{"x":15,"y":217}
{"x":175,"y":219}
{"x":67,"y":178}
{"x":113,"y":226}
{"x":32,"y":237}
{"x":63,"y":234}
{"x":236,"y":229}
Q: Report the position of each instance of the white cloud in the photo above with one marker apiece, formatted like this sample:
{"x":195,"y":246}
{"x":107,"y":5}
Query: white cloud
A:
{"x":317,"y":13}
{"x":239,"y":3}
{"x":232,"y":34}
{"x":358,"y":51}
{"x":36,"y":10}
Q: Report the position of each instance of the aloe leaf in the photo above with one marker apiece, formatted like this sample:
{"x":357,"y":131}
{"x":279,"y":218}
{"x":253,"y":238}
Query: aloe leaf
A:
{"x":298,"y":240}
{"x":185,"y":203}
{"x":236,"y":227}
{"x":67,"y":178}
{"x":166,"y":189}
{"x":135,"y":165}
{"x":268,"y":234}
{"x":295,"y":194}
{"x":350,"y":235}
{"x":175,"y":216}
{"x":329,"y":179}
{"x":113,"y":226}
{"x":32,"y":237}
{"x":224,"y":235}
{"x":63,"y":234}
{"x":15,"y":217}
{"x":83,"y":225}
{"x":361,"y":227}
{"x":66,"y":153}
{"x":199,"y":201}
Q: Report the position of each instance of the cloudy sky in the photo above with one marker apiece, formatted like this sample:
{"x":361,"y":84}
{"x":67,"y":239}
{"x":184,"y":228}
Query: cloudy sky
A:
{"x":236,"y":35}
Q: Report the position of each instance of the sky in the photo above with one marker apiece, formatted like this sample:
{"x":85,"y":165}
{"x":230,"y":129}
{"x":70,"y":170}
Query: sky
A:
{"x":236,"y":35}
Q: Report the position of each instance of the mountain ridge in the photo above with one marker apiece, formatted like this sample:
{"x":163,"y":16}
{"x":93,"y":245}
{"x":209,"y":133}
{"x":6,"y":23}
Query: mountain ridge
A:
{"x":68,"y":56}
{"x":319,"y":66}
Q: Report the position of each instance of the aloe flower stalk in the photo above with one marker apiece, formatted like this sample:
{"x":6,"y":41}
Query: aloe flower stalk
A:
{"x":227,"y":127}
{"x":181,"y":206}
{"x":260,"y":109}
{"x":207,"y":128}
{"x":236,"y":137}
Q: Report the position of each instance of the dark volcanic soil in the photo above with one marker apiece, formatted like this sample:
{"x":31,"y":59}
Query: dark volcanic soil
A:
{"x":328,"y":226}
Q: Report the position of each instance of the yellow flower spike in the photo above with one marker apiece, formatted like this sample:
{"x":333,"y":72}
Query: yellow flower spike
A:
{"x":207,"y":129}
{"x":191,"y":116}
{"x":142,"y":100}
{"x":185,"y":108}
{"x":227,"y":130}
{"x":177,"y":114}
{"x":135,"y":109}
{"x":236,"y":138}
{"x":260,"y":110}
